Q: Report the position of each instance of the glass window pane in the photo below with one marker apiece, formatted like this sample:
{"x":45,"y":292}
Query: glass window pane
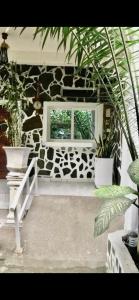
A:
{"x":60,"y":124}
{"x":84,"y":124}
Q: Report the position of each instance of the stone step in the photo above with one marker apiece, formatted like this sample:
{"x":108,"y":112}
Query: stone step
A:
{"x":22,"y":264}
{"x":6,"y":269}
{"x":5,"y":223}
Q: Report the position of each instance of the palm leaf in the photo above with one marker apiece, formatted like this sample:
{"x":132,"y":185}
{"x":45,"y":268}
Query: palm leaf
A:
{"x":114,"y":191}
{"x":108,"y":211}
{"x":133,"y":171}
{"x":22,"y":30}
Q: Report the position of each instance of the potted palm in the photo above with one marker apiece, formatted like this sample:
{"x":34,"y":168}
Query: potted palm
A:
{"x":12,"y":93}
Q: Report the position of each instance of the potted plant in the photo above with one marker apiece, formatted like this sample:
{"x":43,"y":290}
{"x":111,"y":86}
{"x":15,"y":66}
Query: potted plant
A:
{"x":104,"y":158}
{"x":116,"y":200}
{"x":12,"y":93}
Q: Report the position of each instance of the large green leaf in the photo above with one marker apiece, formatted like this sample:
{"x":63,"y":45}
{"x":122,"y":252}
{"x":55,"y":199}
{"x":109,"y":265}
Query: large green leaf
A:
{"x":133,"y":171}
{"x":113,"y":191}
{"x":109,"y":210}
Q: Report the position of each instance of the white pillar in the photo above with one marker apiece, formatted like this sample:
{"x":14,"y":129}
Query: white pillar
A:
{"x":131,"y":215}
{"x":10,"y":216}
{"x":13,"y":181}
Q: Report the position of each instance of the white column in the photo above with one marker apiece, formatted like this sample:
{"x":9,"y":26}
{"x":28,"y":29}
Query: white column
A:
{"x":10,"y":216}
{"x":131,"y":215}
{"x":13,"y":181}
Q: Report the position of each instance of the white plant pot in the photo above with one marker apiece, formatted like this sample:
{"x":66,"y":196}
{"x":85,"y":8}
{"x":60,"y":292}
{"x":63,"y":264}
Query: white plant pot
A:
{"x":103,"y":171}
{"x":17,"y":158}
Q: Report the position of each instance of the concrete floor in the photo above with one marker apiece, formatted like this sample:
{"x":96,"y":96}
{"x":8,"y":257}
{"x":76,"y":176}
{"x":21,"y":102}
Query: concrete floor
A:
{"x":57,"y":237}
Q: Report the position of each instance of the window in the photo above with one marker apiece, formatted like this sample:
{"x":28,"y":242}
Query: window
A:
{"x":72,"y":124}
{"x":60,"y":124}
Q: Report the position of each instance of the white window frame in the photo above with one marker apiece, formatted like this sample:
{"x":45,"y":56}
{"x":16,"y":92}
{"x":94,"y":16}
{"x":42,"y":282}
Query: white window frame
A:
{"x":47,"y":106}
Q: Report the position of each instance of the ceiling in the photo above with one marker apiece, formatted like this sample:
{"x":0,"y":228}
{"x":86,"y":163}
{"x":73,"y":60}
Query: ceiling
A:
{"x":24,"y":50}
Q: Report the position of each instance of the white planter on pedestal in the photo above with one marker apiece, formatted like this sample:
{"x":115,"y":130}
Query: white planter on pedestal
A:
{"x":17,"y":159}
{"x":103,"y":171}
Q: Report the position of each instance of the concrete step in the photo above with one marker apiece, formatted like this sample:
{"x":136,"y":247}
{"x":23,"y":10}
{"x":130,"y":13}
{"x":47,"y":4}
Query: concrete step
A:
{"x":20,"y":264}
{"x":5,"y":269}
{"x":2,"y":222}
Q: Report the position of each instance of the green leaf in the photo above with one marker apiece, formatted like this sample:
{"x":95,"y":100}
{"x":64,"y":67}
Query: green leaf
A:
{"x":133,"y":171}
{"x":114,"y":191}
{"x":22,"y":30}
{"x":109,"y":210}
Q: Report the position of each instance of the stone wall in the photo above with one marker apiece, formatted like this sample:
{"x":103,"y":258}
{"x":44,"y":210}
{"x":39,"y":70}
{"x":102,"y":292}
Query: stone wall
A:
{"x":56,"y":162}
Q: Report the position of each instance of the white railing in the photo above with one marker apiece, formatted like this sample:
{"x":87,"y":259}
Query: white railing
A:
{"x":20,"y":208}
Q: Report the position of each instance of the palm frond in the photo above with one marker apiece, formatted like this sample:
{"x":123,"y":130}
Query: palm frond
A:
{"x":108,"y":211}
{"x":114,"y":191}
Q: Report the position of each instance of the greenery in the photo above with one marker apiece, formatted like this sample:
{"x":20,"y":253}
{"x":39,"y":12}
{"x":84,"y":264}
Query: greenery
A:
{"x":12,"y":91}
{"x":116,"y":200}
{"x":61,"y":124}
{"x":84,"y":124}
{"x":105,"y":144}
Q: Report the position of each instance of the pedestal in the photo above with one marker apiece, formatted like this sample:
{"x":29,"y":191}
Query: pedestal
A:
{"x":17,"y":160}
{"x":13,"y":181}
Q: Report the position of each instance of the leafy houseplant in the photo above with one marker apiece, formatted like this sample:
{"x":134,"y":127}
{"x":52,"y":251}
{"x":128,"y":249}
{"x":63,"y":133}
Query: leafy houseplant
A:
{"x":104,"y":159}
{"x":117,"y":199}
{"x":105,"y":145}
{"x":12,"y":92}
